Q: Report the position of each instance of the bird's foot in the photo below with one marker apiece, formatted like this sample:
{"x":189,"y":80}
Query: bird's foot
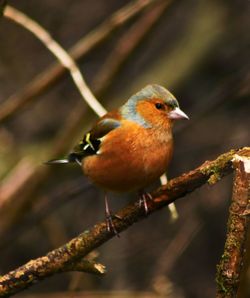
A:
{"x":144,"y":198}
{"x":110,"y":224}
{"x":109,"y":219}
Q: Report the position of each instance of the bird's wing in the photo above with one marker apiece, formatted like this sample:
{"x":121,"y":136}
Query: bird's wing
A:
{"x":91,"y":141}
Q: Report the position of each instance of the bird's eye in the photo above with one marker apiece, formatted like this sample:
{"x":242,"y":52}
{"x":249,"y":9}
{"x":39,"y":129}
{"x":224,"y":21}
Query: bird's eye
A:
{"x":159,"y":106}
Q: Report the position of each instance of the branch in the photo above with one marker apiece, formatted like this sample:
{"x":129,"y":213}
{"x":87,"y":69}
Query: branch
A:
{"x":66,"y":60}
{"x":56,"y":49}
{"x":84,"y":266}
{"x":50,"y":75}
{"x":77,"y":248}
{"x":229,"y":268}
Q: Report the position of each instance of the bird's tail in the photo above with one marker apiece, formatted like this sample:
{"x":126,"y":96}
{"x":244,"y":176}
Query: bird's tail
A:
{"x":57,"y":161}
{"x":72,"y":157}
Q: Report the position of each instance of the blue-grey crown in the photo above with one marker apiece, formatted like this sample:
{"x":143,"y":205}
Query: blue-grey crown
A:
{"x":128,"y":110}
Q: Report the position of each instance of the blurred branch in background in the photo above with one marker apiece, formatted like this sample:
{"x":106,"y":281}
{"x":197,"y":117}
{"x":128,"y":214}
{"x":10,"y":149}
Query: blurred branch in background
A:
{"x":190,"y":226}
{"x":49,"y":76}
{"x":63,"y":57}
{"x":188,"y":52}
{"x":15,"y":184}
{"x":230,"y":267}
{"x":232,"y":87}
{"x":127,"y":44}
{"x":45,"y":206}
{"x":75,"y":250}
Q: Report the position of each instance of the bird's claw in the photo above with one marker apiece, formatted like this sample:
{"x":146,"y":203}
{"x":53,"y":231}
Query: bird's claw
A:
{"x":110,"y":224}
{"x":144,"y":198}
{"x":109,"y":221}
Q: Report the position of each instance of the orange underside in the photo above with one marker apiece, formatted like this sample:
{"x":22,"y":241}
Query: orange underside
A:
{"x":130,"y":161}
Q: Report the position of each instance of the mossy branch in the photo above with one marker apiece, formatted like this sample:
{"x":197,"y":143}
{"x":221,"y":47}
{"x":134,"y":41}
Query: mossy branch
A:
{"x":229,"y":269}
{"x":62,"y":258}
{"x":3,"y":4}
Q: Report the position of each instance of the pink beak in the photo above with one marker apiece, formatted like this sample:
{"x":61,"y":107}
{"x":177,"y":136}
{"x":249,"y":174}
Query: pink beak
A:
{"x":177,"y":113}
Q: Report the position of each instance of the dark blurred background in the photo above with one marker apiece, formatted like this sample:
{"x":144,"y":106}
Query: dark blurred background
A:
{"x":197,"y":49}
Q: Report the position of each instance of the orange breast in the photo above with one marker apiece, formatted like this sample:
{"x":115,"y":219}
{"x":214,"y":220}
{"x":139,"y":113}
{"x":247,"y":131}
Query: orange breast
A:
{"x":131,"y":157}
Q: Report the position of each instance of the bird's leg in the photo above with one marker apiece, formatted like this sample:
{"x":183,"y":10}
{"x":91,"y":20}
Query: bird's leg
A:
{"x":108,"y":216}
{"x":144,"y":197}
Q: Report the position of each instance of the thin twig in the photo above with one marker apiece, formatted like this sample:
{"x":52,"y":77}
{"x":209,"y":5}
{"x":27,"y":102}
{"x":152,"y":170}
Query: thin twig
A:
{"x":50,"y":75}
{"x":85,"y":266}
{"x":64,"y":58}
{"x":77,"y":248}
{"x":229,"y":269}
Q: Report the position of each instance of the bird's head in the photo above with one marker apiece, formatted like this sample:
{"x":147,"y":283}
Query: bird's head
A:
{"x":153,"y":106}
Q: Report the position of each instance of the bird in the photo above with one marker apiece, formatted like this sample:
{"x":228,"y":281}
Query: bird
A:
{"x":130,"y":147}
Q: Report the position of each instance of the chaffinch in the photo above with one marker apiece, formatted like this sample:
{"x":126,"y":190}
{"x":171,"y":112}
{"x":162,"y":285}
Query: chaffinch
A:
{"x":128,"y":148}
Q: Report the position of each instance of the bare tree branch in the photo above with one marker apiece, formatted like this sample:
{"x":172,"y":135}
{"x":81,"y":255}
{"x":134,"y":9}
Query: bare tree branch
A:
{"x":70,"y":253}
{"x":50,"y":75}
{"x":229,"y":269}
{"x":58,"y":51}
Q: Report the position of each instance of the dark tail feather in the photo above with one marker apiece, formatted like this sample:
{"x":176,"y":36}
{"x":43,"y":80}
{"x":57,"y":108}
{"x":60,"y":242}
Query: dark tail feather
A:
{"x":72,"y":157}
{"x":56,"y":161}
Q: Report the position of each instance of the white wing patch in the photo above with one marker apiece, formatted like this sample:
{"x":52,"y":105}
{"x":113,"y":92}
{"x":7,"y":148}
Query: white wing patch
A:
{"x":101,"y":140}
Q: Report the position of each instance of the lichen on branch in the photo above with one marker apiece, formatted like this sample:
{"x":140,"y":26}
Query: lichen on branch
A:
{"x":229,"y":268}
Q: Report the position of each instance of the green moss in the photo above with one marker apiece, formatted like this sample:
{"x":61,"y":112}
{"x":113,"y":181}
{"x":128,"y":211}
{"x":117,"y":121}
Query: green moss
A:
{"x":225,"y":256}
{"x":232,"y":242}
{"x":214,"y":178}
{"x":221,"y":287}
{"x":214,"y":172}
{"x":220,"y":281}
{"x":68,"y":246}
